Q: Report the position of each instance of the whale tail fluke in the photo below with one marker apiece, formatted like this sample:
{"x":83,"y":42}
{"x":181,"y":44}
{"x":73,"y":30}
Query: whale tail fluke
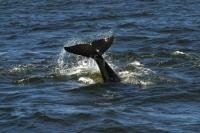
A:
{"x":95,"y":50}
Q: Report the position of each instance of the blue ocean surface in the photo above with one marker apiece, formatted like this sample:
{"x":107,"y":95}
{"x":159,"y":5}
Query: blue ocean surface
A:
{"x":156,"y":53}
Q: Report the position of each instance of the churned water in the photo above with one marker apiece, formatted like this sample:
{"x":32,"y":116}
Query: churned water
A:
{"x":155,"y":52}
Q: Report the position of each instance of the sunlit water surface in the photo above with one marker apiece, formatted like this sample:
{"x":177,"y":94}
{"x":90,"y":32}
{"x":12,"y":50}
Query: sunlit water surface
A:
{"x":155,"y":52}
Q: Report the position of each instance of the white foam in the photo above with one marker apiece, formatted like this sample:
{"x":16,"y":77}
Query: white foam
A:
{"x":133,"y":78}
{"x":86,"y":80}
{"x":146,"y":83}
{"x":139,"y":76}
{"x":135,"y":63}
{"x":179,"y":53}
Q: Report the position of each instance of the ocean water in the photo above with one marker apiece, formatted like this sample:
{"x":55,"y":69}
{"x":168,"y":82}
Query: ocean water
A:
{"x":155,"y":52}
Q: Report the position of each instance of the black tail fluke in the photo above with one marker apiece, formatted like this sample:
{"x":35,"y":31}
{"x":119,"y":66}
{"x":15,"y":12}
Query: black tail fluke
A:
{"x":97,"y":47}
{"x":95,"y":50}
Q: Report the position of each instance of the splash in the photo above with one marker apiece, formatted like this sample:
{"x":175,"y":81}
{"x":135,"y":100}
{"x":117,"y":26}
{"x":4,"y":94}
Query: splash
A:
{"x":61,"y":62}
{"x":79,"y":66}
{"x":75,"y":65}
{"x":86,"y":71}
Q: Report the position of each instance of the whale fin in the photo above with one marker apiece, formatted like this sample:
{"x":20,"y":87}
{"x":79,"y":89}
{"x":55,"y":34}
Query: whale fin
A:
{"x":95,"y":50}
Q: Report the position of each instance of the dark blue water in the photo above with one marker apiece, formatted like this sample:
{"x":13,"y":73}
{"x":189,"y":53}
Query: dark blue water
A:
{"x":155,"y":52}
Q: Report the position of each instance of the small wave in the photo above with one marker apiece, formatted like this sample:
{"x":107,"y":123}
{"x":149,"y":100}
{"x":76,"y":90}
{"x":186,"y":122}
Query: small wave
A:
{"x":3,"y":53}
{"x":178,"y":96}
{"x":176,"y":30}
{"x":141,"y":14}
{"x":132,"y":38}
{"x":183,"y":41}
{"x":45,"y":117}
{"x":127,"y":25}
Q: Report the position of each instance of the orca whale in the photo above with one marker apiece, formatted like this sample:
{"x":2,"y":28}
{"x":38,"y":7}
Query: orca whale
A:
{"x":95,"y":50}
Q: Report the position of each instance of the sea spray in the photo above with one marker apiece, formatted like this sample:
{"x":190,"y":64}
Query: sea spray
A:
{"x":72,"y":64}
